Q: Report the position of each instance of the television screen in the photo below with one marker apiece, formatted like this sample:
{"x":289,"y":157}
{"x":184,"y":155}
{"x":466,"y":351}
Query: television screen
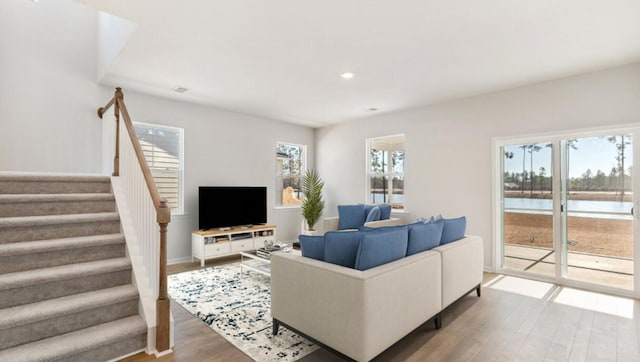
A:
{"x":227,"y":206}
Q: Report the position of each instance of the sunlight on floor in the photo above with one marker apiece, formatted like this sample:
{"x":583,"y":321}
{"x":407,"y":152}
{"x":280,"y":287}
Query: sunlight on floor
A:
{"x":529,"y":288}
{"x":618,"y":306}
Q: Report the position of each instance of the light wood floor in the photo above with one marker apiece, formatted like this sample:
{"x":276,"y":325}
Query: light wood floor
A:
{"x":502,"y":325}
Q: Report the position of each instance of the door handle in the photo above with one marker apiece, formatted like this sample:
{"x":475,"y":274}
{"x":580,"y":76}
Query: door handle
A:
{"x":632,"y":211}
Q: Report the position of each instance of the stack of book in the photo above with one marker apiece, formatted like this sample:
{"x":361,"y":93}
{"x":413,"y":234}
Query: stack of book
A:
{"x":264,"y":253}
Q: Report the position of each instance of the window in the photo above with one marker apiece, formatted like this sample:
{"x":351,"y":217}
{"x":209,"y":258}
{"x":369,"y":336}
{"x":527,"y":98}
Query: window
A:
{"x":163,"y":149}
{"x":290,"y":167}
{"x":385,"y":171}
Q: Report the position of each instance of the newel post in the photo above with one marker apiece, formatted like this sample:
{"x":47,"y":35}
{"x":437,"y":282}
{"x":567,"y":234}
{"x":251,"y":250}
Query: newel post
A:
{"x":162,"y":304}
{"x":119,"y":97}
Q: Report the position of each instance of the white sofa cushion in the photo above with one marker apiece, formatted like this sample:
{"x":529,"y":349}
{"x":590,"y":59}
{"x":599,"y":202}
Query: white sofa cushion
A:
{"x":462,"y":267}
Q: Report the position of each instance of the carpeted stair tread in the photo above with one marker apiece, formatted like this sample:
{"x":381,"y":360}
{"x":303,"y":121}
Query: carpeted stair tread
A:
{"x":27,"y":177}
{"x":26,"y":183}
{"x":64,"y":346}
{"x":40,"y":246}
{"x":64,"y":272}
{"x":48,"y":309}
{"x":31,"y":221}
{"x":14,"y":198}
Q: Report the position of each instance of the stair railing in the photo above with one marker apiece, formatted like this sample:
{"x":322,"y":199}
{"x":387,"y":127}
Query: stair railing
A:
{"x":144,"y":201}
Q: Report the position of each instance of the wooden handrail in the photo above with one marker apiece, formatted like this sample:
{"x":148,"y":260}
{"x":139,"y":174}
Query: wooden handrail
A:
{"x":163,"y":214}
{"x":146,"y":171}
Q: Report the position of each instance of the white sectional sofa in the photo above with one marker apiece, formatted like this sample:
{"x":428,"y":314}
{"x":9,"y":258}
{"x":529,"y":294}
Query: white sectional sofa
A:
{"x":361,"y":313}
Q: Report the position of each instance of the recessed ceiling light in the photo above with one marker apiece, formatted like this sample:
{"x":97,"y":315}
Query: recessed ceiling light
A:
{"x":347,"y":75}
{"x":372,"y":109}
{"x":180,"y":89}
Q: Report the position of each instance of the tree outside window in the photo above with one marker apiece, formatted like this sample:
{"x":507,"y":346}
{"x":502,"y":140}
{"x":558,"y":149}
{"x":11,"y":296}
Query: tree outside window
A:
{"x":290,"y":167}
{"x":385,"y":174}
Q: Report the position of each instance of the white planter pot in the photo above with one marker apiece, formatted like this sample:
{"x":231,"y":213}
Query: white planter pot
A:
{"x":304,"y":229}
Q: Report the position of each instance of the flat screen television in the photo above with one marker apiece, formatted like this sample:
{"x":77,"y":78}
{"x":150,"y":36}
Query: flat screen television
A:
{"x":228,"y":206}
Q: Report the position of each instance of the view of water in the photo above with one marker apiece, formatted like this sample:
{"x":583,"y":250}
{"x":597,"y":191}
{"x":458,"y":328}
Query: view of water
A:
{"x":583,"y":208}
{"x":378,"y":198}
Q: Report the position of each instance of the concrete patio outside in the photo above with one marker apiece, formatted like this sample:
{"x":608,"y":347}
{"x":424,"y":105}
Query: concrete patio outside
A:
{"x":611,"y":271}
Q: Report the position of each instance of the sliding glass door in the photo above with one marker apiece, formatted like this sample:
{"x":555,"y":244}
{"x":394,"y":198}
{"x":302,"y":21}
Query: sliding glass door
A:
{"x":527,"y":180}
{"x":598,"y":199}
{"x":567,"y":209}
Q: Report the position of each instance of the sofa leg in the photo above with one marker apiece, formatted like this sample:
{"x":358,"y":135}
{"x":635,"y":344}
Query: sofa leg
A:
{"x":438,"y":321}
{"x":275,"y":324}
{"x":478,"y":290}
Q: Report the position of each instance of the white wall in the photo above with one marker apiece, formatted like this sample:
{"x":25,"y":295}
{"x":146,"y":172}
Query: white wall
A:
{"x":48,"y":87}
{"x":221,"y":148}
{"x":448,"y":146}
{"x":49,"y":97}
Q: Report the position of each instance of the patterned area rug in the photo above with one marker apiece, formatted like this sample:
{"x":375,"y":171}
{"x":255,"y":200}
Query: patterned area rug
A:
{"x":237,"y":306}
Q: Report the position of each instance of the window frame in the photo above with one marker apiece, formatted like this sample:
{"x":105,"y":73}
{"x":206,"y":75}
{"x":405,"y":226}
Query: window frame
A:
{"x":279,"y":177}
{"x":399,"y":207}
{"x":180,"y":209}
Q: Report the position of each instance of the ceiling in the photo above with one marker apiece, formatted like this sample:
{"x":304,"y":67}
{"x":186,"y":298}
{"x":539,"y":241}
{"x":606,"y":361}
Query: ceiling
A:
{"x":282,"y":59}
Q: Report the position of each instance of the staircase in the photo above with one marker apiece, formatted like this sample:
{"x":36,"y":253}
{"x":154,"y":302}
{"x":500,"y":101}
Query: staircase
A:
{"x":65,"y":281}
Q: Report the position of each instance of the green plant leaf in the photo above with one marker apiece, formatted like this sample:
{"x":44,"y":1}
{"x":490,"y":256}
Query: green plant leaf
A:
{"x":312,"y":205}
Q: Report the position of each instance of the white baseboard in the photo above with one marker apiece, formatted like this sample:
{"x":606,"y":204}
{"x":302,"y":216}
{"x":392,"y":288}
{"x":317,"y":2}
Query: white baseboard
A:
{"x":186,"y":259}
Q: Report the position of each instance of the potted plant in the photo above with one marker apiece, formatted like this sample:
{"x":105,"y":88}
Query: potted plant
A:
{"x":312,"y":205}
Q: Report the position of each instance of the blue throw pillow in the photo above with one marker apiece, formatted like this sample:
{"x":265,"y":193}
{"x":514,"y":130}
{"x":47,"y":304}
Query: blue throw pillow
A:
{"x":453,"y":229}
{"x":424,"y":237}
{"x":385,"y":212}
{"x":367,"y":208}
{"x":380,"y":248}
{"x":341,"y":247}
{"x":373,"y":215}
{"x":312,"y":246}
{"x":350,"y":216}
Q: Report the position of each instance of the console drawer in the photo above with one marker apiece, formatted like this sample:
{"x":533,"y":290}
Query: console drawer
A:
{"x":242,"y":245}
{"x":216,"y":249}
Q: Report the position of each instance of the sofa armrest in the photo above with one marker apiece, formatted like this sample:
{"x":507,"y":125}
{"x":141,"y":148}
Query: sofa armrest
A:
{"x":332,"y":223}
{"x":387,"y":222}
{"x":462,"y":267}
{"x":358,"y":313}
{"x":327,"y":224}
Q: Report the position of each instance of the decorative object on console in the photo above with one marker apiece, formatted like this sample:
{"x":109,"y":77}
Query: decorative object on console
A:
{"x":238,"y":307}
{"x":266,"y":252}
{"x":312,"y":205}
{"x":268,"y":244}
